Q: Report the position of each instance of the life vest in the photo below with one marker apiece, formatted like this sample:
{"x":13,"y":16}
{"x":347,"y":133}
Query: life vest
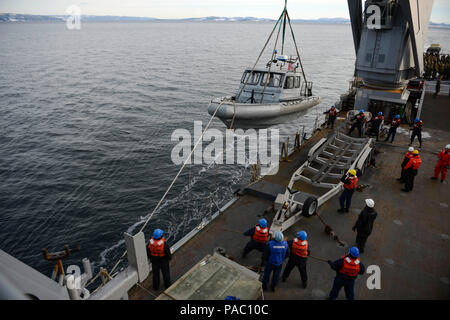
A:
{"x":350,"y":267}
{"x":444,"y":158}
{"x":300,"y":248}
{"x":395,"y":123}
{"x":418,"y":126}
{"x":261,"y":234}
{"x":378,"y":118}
{"x":332,"y":112}
{"x":353,"y":183}
{"x":360,"y":117}
{"x":408,"y":156}
{"x":406,"y":159}
{"x":156,"y":247}
{"x":414,"y":163}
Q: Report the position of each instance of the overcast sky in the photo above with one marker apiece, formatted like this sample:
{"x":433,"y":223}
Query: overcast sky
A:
{"x":299,"y":9}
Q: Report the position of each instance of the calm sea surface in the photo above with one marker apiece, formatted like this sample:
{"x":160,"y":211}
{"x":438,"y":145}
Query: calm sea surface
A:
{"x":86,"y":119}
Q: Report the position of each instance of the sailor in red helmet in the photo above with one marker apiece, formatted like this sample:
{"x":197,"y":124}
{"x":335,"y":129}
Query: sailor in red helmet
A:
{"x":160,"y":255}
{"x":332,"y":114}
{"x":443,"y":163}
{"x":259,"y":235}
{"x":347,"y":270}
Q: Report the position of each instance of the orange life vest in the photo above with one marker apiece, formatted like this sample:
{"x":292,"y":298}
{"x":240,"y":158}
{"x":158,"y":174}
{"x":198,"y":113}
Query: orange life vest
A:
{"x":157,"y":247}
{"x":300,"y":248}
{"x":332,"y":112}
{"x":414,"y":163}
{"x":350,"y":267}
{"x":261,"y":234}
{"x":408,"y":155}
{"x":353,"y":183}
{"x":444,"y":157}
{"x":395,"y":123}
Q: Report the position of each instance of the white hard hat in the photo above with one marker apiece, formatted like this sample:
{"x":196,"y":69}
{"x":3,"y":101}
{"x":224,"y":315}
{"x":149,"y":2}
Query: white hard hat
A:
{"x":447,"y":146}
{"x":411,"y":149}
{"x":370,"y":203}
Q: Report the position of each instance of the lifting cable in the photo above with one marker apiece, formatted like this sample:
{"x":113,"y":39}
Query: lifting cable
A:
{"x":165,"y":194}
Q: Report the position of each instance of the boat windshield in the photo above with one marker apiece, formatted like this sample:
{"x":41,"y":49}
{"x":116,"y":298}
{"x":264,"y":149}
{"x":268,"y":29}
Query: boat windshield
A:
{"x":275,"y":79}
{"x":253,"y":78}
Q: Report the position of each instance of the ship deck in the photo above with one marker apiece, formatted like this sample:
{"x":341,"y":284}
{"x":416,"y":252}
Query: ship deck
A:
{"x":410,"y":241}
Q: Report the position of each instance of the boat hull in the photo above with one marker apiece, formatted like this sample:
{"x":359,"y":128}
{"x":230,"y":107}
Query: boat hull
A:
{"x":259,"y":116}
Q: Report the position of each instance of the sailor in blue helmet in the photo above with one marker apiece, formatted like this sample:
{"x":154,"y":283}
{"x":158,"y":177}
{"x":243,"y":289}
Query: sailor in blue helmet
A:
{"x":417,"y":131}
{"x":395,"y":123}
{"x":274,"y":254}
{"x":359,"y":123}
{"x":299,"y":252}
{"x":347,"y":270}
{"x":259,"y":235}
{"x":159,"y":252}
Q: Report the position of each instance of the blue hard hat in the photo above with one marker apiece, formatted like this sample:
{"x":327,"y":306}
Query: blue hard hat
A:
{"x":262,"y":223}
{"x":397,"y":116}
{"x":380,"y":113}
{"x":302,"y":235}
{"x":278,"y":236}
{"x":157,"y":233}
{"x":362,"y":111}
{"x":417,"y":120}
{"x":354,"y":251}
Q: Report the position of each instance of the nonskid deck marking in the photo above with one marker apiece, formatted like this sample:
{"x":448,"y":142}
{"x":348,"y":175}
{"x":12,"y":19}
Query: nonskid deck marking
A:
{"x":389,"y":260}
{"x":443,"y":205}
{"x":445,"y":236}
{"x":398,"y":222}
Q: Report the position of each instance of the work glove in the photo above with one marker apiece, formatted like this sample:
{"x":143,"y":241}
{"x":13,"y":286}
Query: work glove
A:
{"x":353,"y":229}
{"x":329,"y":262}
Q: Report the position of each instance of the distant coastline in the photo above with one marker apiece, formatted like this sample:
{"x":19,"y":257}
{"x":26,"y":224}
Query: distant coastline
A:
{"x":16,"y":17}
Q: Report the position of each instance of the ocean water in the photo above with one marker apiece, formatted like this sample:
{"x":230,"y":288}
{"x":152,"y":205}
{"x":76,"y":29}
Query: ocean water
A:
{"x":86,"y":118}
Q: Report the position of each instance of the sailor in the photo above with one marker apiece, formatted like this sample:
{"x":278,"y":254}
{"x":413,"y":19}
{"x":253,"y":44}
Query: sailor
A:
{"x":376,"y":124}
{"x":359,"y":123}
{"x":350,"y":181}
{"x":347,"y":269}
{"x":411,"y":170}
{"x":443,"y":164}
{"x":417,"y":131}
{"x":259,"y":235}
{"x":299,"y":249}
{"x":438,"y":86}
{"x":332,"y":113}
{"x":395,"y":123}
{"x":274,"y":254}
{"x":405,"y":161}
{"x":364,"y":224}
{"x":159,"y":252}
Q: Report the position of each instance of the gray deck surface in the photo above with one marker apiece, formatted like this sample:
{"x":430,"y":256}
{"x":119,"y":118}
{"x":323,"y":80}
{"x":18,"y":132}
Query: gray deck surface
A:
{"x":410,"y":241}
